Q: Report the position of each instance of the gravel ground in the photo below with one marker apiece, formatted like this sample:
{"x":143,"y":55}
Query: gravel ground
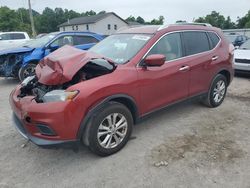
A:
{"x":187,"y":145}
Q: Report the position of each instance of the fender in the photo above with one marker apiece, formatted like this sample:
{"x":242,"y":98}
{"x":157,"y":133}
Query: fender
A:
{"x":36,"y":56}
{"x":93,"y":111}
{"x":231,"y":74}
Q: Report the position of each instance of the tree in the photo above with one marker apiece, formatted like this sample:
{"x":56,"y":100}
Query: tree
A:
{"x":8,"y":19}
{"x":217,"y":20}
{"x":158,"y":21}
{"x":244,"y":22}
{"x":140,"y":20}
{"x":131,"y":19}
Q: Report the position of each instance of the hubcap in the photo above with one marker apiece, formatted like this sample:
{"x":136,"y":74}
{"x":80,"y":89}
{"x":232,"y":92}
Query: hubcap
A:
{"x":30,"y":71}
{"x":112,"y":130}
{"x":219,"y":91}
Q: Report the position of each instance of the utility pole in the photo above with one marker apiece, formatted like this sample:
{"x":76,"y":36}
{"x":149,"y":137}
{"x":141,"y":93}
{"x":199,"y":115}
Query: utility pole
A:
{"x":32,"y":20}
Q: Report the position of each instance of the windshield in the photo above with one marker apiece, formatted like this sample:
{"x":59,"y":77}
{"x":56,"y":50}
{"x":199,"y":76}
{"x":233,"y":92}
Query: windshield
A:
{"x":121,"y":47}
{"x":40,"y":42}
{"x":246,"y":45}
{"x":231,"y":38}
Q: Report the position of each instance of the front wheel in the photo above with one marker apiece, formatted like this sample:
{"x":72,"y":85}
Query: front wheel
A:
{"x":217,"y":91}
{"x":110,"y":129}
{"x":26,"y":71}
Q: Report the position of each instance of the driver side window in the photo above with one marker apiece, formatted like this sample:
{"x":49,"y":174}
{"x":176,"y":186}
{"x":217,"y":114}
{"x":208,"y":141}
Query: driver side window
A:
{"x":170,"y":46}
{"x":63,"y":40}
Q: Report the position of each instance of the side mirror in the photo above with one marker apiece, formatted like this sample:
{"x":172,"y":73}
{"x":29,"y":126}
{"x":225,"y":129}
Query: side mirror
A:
{"x":53,"y":47}
{"x":155,"y":60}
{"x":0,"y":38}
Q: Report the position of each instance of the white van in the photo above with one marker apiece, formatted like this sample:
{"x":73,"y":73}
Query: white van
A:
{"x":12,"y":39}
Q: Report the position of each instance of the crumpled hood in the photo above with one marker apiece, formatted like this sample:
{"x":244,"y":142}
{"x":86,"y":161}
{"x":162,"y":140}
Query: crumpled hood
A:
{"x":60,"y":66}
{"x":16,"y":50}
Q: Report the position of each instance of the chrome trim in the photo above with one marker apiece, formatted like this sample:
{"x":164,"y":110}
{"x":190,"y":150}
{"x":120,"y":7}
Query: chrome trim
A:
{"x":181,"y":31}
{"x":185,"y":68}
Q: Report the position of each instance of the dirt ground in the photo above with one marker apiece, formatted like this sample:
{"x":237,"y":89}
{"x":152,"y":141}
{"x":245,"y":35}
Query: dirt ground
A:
{"x":187,"y":145}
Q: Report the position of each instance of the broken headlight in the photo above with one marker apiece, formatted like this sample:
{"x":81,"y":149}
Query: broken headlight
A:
{"x":27,"y":80}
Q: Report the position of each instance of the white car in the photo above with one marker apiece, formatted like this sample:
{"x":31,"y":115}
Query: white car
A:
{"x":12,"y":39}
{"x":242,"y":58}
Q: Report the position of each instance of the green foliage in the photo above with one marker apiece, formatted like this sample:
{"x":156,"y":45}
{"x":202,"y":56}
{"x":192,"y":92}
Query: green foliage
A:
{"x":244,"y":22}
{"x":140,"y":20}
{"x":49,"y":19}
{"x":131,"y":19}
{"x":217,"y":20}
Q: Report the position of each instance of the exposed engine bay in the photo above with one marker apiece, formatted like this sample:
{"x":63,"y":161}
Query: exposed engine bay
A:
{"x":94,"y":68}
{"x":10,"y":64}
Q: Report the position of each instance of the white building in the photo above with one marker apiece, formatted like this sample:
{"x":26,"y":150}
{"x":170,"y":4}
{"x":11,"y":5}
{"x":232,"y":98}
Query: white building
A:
{"x":106,"y":24}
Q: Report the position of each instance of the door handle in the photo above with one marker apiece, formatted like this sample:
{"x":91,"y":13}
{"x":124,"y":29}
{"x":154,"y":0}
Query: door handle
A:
{"x":214,"y":58}
{"x":184,"y":68}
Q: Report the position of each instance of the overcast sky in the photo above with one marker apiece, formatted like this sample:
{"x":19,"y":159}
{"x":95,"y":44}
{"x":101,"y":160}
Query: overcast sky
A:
{"x":172,"y":10}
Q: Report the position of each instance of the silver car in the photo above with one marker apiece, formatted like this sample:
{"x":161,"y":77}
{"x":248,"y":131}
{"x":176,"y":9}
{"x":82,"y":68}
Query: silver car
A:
{"x":242,"y":58}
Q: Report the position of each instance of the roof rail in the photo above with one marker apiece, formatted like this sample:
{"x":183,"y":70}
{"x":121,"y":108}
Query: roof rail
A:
{"x":194,"y":23}
{"x":184,"y":23}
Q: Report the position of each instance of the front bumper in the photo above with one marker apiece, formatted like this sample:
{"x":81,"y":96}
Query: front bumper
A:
{"x":63,"y":118}
{"x":242,"y":66}
{"x":39,"y":141}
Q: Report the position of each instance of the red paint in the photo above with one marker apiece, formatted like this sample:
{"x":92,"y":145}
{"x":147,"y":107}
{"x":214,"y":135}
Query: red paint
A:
{"x":150,"y":87}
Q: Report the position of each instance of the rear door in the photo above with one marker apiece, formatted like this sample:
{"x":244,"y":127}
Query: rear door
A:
{"x":84,"y":42}
{"x":168,"y":83}
{"x":199,"y":57}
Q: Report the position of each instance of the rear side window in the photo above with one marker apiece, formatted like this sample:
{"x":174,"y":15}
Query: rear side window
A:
{"x":195,"y":42}
{"x":78,"y":40}
{"x":214,"y":39}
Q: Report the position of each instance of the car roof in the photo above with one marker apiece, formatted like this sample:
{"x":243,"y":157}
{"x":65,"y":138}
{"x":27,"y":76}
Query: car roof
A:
{"x":12,"y":32}
{"x":152,"y":29}
{"x":73,"y":32}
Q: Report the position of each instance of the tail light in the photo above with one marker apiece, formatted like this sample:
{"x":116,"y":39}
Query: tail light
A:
{"x":231,"y":49}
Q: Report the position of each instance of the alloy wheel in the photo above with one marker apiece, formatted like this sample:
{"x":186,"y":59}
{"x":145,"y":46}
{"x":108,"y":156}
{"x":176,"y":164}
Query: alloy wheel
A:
{"x":112,"y":130}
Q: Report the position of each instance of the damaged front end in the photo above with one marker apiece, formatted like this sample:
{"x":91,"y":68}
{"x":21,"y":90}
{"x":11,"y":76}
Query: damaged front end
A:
{"x":62,"y":69}
{"x":10,"y":64}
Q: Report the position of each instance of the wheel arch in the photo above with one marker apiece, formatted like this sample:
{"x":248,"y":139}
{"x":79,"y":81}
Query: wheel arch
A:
{"x":227,"y":74}
{"x":33,"y":61}
{"x":124,"y":99}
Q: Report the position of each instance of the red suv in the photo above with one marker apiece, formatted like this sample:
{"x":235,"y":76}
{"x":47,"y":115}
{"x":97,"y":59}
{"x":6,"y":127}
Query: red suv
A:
{"x":95,"y":97}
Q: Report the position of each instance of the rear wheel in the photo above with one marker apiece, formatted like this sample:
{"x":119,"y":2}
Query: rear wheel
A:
{"x":110,"y":129}
{"x":217,"y":91}
{"x":26,"y":71}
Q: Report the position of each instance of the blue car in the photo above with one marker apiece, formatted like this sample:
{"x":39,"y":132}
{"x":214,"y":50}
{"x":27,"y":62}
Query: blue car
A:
{"x":21,"y":62}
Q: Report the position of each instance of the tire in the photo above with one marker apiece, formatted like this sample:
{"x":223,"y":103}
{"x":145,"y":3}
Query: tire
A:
{"x":217,"y":92}
{"x":110,"y":139}
{"x":27,"y":70}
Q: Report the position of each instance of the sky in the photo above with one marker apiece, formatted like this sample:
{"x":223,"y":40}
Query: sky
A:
{"x":172,"y":10}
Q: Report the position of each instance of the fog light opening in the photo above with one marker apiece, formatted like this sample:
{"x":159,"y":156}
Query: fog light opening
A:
{"x":28,"y":119}
{"x":45,"y":130}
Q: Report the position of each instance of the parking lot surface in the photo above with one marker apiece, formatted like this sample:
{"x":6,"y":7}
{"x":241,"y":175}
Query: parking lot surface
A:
{"x":186,"y":145}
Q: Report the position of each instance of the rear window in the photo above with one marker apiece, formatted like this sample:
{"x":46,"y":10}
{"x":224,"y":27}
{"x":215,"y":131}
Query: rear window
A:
{"x":195,"y":42}
{"x":12,"y":36}
{"x":16,"y":36}
{"x":214,"y":39}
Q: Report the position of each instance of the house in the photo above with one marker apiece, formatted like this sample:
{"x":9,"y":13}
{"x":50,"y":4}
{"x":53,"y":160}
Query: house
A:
{"x":105,"y":23}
